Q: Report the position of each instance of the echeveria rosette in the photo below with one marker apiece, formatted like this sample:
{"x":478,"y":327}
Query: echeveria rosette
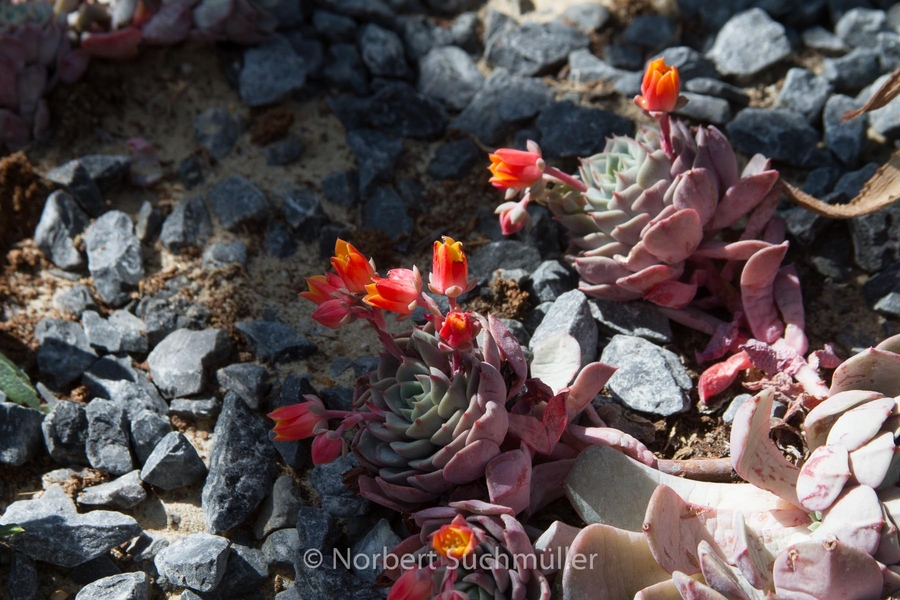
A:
{"x":501,"y":563}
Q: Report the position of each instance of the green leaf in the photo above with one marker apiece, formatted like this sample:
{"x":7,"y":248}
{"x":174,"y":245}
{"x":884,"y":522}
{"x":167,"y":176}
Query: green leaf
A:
{"x":15,"y":384}
{"x":9,"y":530}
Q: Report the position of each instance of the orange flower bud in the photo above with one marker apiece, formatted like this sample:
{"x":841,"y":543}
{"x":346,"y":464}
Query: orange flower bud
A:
{"x":297,"y":421}
{"x":352,"y":267}
{"x":412,"y":585}
{"x":515,"y":169}
{"x":449,"y":268}
{"x":322,"y":288}
{"x":458,"y":330}
{"x":660,"y":88}
{"x":455,"y":540}
{"x":398,"y":293}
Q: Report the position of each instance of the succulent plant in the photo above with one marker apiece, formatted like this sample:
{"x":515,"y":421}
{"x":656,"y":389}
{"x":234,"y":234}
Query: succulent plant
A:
{"x":468,"y":551}
{"x":34,"y":54}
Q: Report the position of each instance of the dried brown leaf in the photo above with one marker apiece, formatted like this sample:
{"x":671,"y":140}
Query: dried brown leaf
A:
{"x":886,"y":93}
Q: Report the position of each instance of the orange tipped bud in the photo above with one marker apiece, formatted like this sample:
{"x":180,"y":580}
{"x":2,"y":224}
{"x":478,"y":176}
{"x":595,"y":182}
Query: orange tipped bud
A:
{"x":458,"y":330}
{"x":515,"y":169}
{"x":660,"y":87}
{"x":398,"y":293}
{"x":449,"y":268}
{"x":352,"y":267}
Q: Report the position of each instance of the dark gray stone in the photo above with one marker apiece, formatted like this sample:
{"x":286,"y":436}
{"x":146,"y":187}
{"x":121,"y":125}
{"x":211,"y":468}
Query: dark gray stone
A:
{"x":588,"y":17}
{"x":570,"y":314}
{"x":122,"y":332}
{"x":317,"y":530}
{"x":376,"y":155}
{"x":397,"y":108}
{"x":534,"y":48}
{"x":455,"y":160}
{"x":216,"y":131}
{"x":147,"y":429}
{"x":779,"y":134}
{"x":95,"y":569}
{"x":271,"y":73}
{"x":859,"y":26}
{"x":301,"y":209}
{"x":108,"y":444}
{"x":64,"y":352}
{"x":449,"y":74}
{"x":852,"y":71}
{"x":481,"y":117}
{"x":187,"y":226}
{"x":846,"y":139}
{"x":20,"y":434}
{"x":173,"y":464}
{"x":61,"y":222}
{"x":819,"y":38}
{"x":106,"y":170}
{"x":114,"y":257}
{"x":584,"y":68}
{"x":383,"y":52}
{"x":805,"y":93}
{"x":123,"y":493}
{"x":344,"y":69}
{"x":241,"y":466}
{"x":372,"y":546}
{"x":190,"y":172}
{"x":189,"y":408}
{"x":235,"y":201}
{"x":705,"y":109}
{"x":280,"y":548}
{"x":385,"y":211}
{"x":882,"y":291}
{"x":335,"y":498}
{"x":23,"y":578}
{"x":124,"y":586}
{"x":421,"y":35}
{"x":334,"y":27}
{"x":279,"y":241}
{"x":518,"y":330}
{"x":691,"y":64}
{"x":56,"y":534}
{"x":279,"y":510}
{"x":342,"y":187}
{"x":197,"y":561}
{"x":733,"y":406}
{"x":570,"y":130}
{"x":831,"y":254}
{"x":549,"y":280}
{"x":624,"y":56}
{"x":283,"y":152}
{"x":651,"y":32}
{"x":763,"y":44}
{"x":74,"y":301}
{"x":65,"y":433}
{"x":505,"y":254}
{"x":76,"y":180}
{"x":638,"y":318}
{"x":876,"y":238}
{"x":245,"y":572}
{"x":295,"y":454}
{"x":222,"y":254}
{"x":649,"y":378}
{"x":272,"y":341}
{"x":180,"y":362}
{"x":821,"y":181}
{"x":527,"y":97}
{"x":629,"y":84}
{"x":247,"y":380}
{"x":115,"y":378}
{"x":148,"y":222}
{"x":888,"y":47}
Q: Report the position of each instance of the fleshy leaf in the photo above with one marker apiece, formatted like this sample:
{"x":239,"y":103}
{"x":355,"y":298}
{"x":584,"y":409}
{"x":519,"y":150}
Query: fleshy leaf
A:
{"x":872,"y":369}
{"x":855,"y":518}
{"x":509,"y":479}
{"x":823,"y":476}
{"x":826,"y":570}
{"x":557,"y":359}
{"x":15,"y":384}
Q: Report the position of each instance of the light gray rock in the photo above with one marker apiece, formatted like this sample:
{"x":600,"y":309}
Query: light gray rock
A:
{"x":584,"y":67}
{"x":195,"y":408}
{"x":127,"y":586}
{"x":638,"y":318}
{"x":197,"y":561}
{"x":64,"y":352}
{"x":549,"y":280}
{"x":885,"y":120}
{"x":859,"y":26}
{"x":280,"y":548}
{"x":846,"y":139}
{"x":372,"y":547}
{"x":819,"y":38}
{"x":65,"y":433}
{"x":173,"y":464}
{"x":250,"y":382}
{"x":778,"y":133}
{"x":245,"y":572}
{"x":222,"y":254}
{"x":534,"y":48}
{"x":570,"y":314}
{"x":123,"y":493}
{"x":804,"y":92}
{"x":733,"y":406}
{"x":505,"y":254}
{"x":587,"y":18}
{"x":279,"y":510}
{"x":316,"y":528}
{"x":763,"y":44}
{"x":852,"y":71}
{"x":649,"y":378}
{"x":187,"y":226}
{"x":122,"y":332}
{"x":108,"y":442}
{"x":272,"y":341}
{"x":77,"y":181}
{"x":105,"y":170}
{"x":691,"y":64}
{"x":56,"y":534}
{"x":705,"y":109}
{"x":62,"y":221}
{"x":74,"y":301}
{"x":115,"y":378}
{"x":336,"y":499}
{"x":148,"y":222}
{"x":450,"y":75}
{"x":179,"y":364}
{"x":20,"y":434}
{"x":383,"y":52}
{"x":114,"y":257}
{"x":235,"y":201}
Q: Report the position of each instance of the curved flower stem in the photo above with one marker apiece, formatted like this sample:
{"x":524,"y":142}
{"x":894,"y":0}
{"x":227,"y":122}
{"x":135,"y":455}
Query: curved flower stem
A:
{"x":572,"y":182}
{"x":666,"y":137}
{"x":376,"y":318}
{"x":700,"y":469}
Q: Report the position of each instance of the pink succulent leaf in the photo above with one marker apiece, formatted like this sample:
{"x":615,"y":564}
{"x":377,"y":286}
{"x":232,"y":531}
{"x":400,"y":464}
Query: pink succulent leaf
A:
{"x":648,"y":278}
{"x":613,"y":438}
{"x":608,"y":291}
{"x":755,"y":456}
{"x":664,"y":590}
{"x":749,"y":555}
{"x":871,"y":463}
{"x":855,"y":518}
{"x":556,"y":361}
{"x":892,"y":344}
{"x":693,"y":318}
{"x":548,"y":483}
{"x":891,"y":580}
{"x":859,"y":425}
{"x":757,"y":164}
{"x":479,"y":507}
{"x":889,"y":547}
{"x":773,"y":358}
{"x":821,"y":418}
{"x":697,"y":190}
{"x":823,"y":476}
{"x":826,"y":570}
{"x":691,"y":589}
{"x":638,"y":258}
{"x":723,"y":157}
{"x":674,"y":529}
{"x":532,"y":432}
{"x":120,"y":45}
{"x":588,"y":383}
{"x":719,"y":377}
{"x":600,"y":268}
{"x":722,"y":340}
{"x":511,"y":351}
{"x":623,"y":565}
{"x":553,"y":543}
{"x":789,"y":300}
{"x":672,"y":294}
{"x":630,"y":232}
{"x":824,"y":358}
{"x":741,"y":198}
{"x":469,"y":463}
{"x":509,"y":479}
{"x":370,"y":490}
{"x":872,"y":369}
{"x":757,"y":293}
{"x":733,"y":251}
{"x":759,"y":221}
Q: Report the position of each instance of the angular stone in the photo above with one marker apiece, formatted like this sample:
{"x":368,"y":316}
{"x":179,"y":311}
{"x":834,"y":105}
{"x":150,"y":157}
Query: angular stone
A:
{"x":190,"y":172}
{"x":506,"y":254}
{"x":23,"y":578}
{"x":819,"y":38}
{"x":454,"y":160}
{"x":859,"y":26}
{"x":20,"y":434}
{"x":651,"y":31}
{"x":527,"y":97}
{"x":335,"y":498}
{"x":624,"y":56}
{"x":197,"y":561}
{"x":95,"y":569}
{"x":334,"y":27}
{"x":316,"y":529}
{"x":301,"y":209}
{"x":114,"y":257}
{"x":179,"y":364}
{"x":584,"y":68}
{"x":216,"y":131}
{"x":397,"y":108}
{"x":846,"y":139}
{"x":61,"y":222}
{"x":283,"y":152}
{"x":719,"y":89}
{"x":885,"y":120}
{"x":241,"y":466}
{"x":888,"y":47}
{"x":341,"y":187}
{"x":187,"y":226}
{"x":74,"y":301}
{"x":482,"y":117}
{"x":272,"y":341}
{"x":122,"y":332}
{"x":147,"y":429}
{"x":450,"y":75}
{"x":65,"y":433}
{"x":649,"y":378}
{"x":549,"y":280}
{"x":108,"y":443}
{"x":804,"y":92}
{"x":376,"y":155}
{"x":235,"y":201}
{"x":705,"y":109}
{"x":126,"y":586}
{"x":280,"y":548}
{"x":106,"y":170}
{"x":763,"y":44}
{"x":876,"y":239}
{"x":173,"y":464}
{"x":852,"y":71}
{"x":779,"y":134}
{"x":691,"y":64}
{"x":148,"y":222}
{"x":115,"y":378}
{"x":188,"y":408}
{"x":55,"y":533}
{"x":279,"y":241}
{"x":382,"y":52}
{"x":245,"y":572}
{"x":570,"y":314}
{"x":638,"y":318}
{"x":372,"y":547}
{"x":76,"y":180}
{"x":64,"y":352}
{"x":222,"y":254}
{"x":385,"y":211}
{"x":569,"y":130}
{"x":271,"y":73}
{"x":247,"y":380}
{"x":345,"y":70}
{"x":534,"y":48}
{"x":123,"y":493}
{"x":279,"y":510}
{"x":588,"y":17}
